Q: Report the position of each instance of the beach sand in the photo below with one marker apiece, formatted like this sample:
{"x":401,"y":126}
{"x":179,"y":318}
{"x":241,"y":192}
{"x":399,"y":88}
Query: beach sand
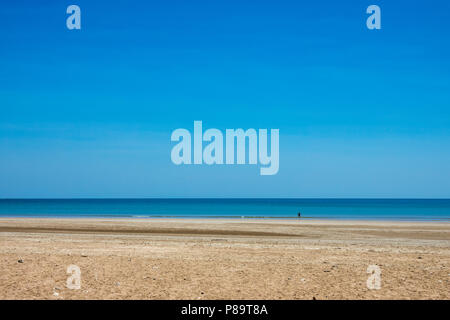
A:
{"x":223,"y":259}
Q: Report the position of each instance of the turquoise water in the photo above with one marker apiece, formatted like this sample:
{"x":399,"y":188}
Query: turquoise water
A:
{"x":357,"y":209}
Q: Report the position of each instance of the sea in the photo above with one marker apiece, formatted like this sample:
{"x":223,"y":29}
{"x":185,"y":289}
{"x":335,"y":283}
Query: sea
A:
{"x":345,"y":209}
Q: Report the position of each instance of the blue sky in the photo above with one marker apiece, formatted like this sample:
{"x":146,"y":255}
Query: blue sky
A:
{"x":89,"y":113}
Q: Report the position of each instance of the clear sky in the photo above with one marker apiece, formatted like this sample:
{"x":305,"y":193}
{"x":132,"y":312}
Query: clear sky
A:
{"x":89,"y":113}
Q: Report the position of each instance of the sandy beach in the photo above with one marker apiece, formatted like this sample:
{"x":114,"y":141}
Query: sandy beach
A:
{"x":223,"y":259}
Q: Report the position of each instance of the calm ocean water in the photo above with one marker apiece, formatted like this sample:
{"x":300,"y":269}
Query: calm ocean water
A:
{"x":369,"y":209}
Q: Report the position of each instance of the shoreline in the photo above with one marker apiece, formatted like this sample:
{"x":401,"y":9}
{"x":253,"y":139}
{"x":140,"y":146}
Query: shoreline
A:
{"x":222,"y":219}
{"x":227,"y":218}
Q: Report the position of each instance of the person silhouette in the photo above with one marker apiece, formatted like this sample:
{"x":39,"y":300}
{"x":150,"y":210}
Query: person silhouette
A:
{"x":299,"y":214}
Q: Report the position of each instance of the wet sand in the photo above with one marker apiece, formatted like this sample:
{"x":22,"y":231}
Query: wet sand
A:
{"x":223,"y":259}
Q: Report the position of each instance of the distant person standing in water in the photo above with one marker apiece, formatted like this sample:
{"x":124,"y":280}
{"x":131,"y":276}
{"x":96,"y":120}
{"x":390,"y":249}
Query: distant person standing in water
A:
{"x":299,"y":215}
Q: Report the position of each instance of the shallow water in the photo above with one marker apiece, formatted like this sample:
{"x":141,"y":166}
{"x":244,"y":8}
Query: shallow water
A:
{"x":357,"y":209}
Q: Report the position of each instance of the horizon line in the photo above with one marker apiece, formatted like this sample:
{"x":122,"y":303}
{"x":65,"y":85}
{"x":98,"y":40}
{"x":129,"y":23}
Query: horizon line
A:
{"x":221,"y":198}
